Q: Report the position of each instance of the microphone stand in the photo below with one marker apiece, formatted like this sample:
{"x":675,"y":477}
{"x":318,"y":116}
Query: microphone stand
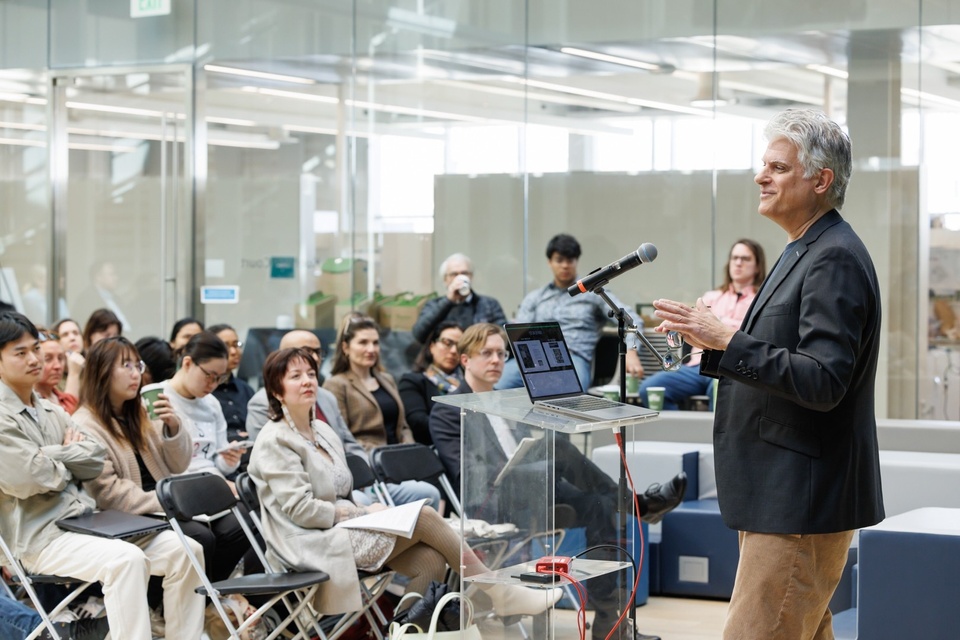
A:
{"x":667,"y":362}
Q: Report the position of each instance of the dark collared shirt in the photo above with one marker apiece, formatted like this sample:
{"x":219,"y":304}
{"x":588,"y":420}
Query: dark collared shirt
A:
{"x":233,"y":395}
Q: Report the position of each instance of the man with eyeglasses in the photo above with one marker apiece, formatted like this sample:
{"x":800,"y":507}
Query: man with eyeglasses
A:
{"x":460,"y":303}
{"x":587,"y":494}
{"x":328,"y":410}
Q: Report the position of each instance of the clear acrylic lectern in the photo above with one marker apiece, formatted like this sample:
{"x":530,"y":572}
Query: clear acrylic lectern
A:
{"x":528,"y":475}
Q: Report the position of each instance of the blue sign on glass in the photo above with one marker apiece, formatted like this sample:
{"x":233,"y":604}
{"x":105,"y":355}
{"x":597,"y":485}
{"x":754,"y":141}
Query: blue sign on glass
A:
{"x":282,"y":267}
{"x":219,"y":295}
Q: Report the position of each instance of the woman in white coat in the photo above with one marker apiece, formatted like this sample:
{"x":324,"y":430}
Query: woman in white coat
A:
{"x":304,"y":484}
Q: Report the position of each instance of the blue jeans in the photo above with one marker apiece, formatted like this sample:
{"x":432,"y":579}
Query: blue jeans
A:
{"x":403,"y":493}
{"x":17,"y":620}
{"x":511,"y":373}
{"x":678,"y":385}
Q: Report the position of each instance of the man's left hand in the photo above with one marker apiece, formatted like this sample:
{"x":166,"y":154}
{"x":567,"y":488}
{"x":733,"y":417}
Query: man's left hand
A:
{"x":698,"y":326}
{"x":634,"y":366}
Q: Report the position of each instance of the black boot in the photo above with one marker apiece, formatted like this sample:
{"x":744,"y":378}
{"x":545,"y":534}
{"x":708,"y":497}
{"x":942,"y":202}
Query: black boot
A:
{"x":85,"y":629}
{"x":660,"y":499}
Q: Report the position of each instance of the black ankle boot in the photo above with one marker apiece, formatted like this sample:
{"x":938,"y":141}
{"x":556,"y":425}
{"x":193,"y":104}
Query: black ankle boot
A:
{"x":663,"y":498}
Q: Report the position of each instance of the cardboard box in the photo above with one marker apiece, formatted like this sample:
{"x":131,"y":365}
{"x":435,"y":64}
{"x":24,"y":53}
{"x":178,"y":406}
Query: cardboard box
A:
{"x":401,"y":313}
{"x":316,"y":313}
{"x":343,"y":277}
{"x":357,"y":302}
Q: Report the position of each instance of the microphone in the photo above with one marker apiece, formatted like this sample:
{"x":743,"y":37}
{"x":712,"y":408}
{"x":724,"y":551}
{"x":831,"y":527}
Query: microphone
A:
{"x":599,"y":277}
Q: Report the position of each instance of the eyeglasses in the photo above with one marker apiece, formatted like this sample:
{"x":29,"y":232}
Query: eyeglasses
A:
{"x":454,"y":274}
{"x":741,"y":258}
{"x":447,"y":342}
{"x":488,"y":354}
{"x":44,"y":336}
{"x":236,"y":344}
{"x":130,"y":367}
{"x":218,"y":378}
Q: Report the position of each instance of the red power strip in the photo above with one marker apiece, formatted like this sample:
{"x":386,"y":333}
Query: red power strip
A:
{"x":550,"y":564}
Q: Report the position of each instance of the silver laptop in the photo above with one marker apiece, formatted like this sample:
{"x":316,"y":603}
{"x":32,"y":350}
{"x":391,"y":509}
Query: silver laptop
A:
{"x":551,"y":380}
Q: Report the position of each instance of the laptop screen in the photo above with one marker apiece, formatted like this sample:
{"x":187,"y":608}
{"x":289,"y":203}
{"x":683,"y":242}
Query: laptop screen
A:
{"x":543,"y":359}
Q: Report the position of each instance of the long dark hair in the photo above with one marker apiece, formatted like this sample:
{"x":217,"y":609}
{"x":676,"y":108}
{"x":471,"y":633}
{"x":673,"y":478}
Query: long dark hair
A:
{"x":351,"y":324}
{"x":180,"y":324}
{"x":424,"y":357}
{"x":100,"y":320}
{"x":131,"y":423}
{"x":275,"y":367}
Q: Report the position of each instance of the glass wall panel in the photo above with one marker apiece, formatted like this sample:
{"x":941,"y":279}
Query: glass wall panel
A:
{"x":91,"y":34}
{"x":25,"y":229}
{"x":23,"y":34}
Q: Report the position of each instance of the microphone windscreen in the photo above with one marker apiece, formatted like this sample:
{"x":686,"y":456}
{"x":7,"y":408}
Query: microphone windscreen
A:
{"x":647,"y":252}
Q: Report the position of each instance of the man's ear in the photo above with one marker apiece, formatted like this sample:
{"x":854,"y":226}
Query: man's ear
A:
{"x":463,"y":360}
{"x":824,"y":181}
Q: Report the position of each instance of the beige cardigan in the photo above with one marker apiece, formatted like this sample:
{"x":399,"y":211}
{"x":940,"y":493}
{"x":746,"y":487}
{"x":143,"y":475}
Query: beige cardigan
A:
{"x":120,"y":485}
{"x":361,"y":411}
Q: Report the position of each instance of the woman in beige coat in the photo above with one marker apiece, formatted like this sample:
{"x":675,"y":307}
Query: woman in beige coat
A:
{"x":304,"y":485}
{"x":367,"y":395}
{"x":139,"y":453}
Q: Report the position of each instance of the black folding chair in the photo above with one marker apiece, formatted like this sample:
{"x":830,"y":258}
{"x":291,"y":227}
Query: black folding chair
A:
{"x":26,"y":581}
{"x":363,"y":477}
{"x":184,"y":498}
{"x":396,"y":463}
{"x":372,"y":585}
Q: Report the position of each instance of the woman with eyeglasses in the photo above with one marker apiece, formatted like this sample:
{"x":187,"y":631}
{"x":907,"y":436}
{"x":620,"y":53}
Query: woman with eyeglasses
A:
{"x":233,"y":394}
{"x":436,"y":372}
{"x":367,"y":395}
{"x":743,"y":274}
{"x":140,"y":452}
{"x":203,"y":366}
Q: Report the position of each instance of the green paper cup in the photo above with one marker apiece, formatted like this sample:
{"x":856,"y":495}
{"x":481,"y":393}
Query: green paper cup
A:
{"x":150,"y":393}
{"x":655,"y":398}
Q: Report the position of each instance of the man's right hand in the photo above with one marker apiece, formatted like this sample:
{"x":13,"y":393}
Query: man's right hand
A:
{"x":453,"y":289}
{"x":72,"y":435}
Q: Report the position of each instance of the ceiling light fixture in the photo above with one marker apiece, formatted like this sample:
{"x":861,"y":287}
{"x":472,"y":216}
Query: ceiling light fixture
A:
{"x":604,"y":57}
{"x":705,"y":97}
{"x":828,"y":71}
{"x":263,"y":75}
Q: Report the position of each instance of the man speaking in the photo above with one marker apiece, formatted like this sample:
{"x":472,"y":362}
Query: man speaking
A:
{"x":795,"y":435}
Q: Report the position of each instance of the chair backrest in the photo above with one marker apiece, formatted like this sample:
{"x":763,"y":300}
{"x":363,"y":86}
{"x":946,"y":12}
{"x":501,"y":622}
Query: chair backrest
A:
{"x":185,"y":497}
{"x":398,"y":462}
{"x":363,"y":475}
{"x":247,"y":492}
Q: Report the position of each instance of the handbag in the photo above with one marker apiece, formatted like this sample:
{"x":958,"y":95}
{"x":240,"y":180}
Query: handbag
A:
{"x":411,"y":631}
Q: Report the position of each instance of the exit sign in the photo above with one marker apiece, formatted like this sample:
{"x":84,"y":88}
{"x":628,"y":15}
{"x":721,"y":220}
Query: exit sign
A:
{"x":146,"y":8}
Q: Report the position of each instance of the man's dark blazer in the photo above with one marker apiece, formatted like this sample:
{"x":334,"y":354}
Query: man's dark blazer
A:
{"x":795,"y":435}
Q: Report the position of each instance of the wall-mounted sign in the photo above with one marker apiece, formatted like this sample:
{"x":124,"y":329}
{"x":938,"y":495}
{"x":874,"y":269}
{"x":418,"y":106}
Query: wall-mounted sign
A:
{"x":147,"y":8}
{"x":282,"y":266}
{"x":219,"y":295}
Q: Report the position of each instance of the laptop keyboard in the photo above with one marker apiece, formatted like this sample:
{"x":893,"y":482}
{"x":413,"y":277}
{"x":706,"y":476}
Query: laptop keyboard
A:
{"x":581,"y":403}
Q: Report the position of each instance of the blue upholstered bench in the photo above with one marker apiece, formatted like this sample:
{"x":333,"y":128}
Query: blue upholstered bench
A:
{"x":698,"y":553}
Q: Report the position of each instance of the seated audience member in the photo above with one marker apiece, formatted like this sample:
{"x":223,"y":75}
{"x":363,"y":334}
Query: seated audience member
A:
{"x":234,"y":394}
{"x":183,"y":330}
{"x":17,"y":621}
{"x":45,"y":458}
{"x":71,"y":339}
{"x":366,"y":393}
{"x":590,"y":492}
{"x":581,"y":317}
{"x":327,"y":410}
{"x":203,"y":366}
{"x":303,"y":481}
{"x":101,"y":324}
{"x":744,"y":273}
{"x":436,"y":372}
{"x":54,"y":362}
{"x":139,"y":453}
{"x":459,"y":303}
{"x":157,"y":356}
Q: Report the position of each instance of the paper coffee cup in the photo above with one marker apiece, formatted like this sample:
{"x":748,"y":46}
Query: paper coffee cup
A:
{"x":150,"y":393}
{"x":655,"y":398}
{"x":633,"y":385}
